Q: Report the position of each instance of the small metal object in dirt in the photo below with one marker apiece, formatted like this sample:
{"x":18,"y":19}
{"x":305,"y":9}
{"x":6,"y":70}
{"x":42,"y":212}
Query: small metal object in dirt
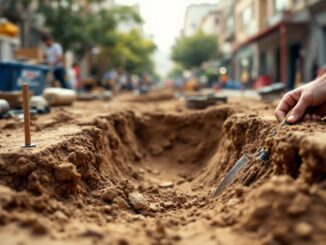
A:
{"x":27,"y":126}
{"x":230,"y":176}
{"x":263,"y":155}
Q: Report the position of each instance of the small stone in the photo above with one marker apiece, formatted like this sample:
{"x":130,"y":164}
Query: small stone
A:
{"x":60,"y":215}
{"x":233,"y":202}
{"x":109,"y":194}
{"x":153,"y":208}
{"x":180,"y":182}
{"x":303,"y":230}
{"x":238,"y":191}
{"x":138,"y":201}
{"x":141,"y":171}
{"x":93,"y":231}
{"x":107,"y":209}
{"x":5,"y":195}
{"x":167,"y":184}
{"x":137,"y":217}
{"x":168,"y":204}
{"x":67,"y":172}
{"x":121,"y":203}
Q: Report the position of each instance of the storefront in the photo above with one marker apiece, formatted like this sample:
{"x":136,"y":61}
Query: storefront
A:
{"x":275,"y":54}
{"x":316,"y":54}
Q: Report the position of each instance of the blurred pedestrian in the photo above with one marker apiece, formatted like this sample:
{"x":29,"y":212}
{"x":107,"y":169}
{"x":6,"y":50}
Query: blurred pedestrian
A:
{"x":308,"y":102}
{"x":55,"y":59}
{"x":78,"y":83}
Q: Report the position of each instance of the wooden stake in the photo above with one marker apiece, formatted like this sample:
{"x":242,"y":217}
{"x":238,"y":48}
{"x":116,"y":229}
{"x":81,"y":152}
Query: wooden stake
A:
{"x":27,"y":126}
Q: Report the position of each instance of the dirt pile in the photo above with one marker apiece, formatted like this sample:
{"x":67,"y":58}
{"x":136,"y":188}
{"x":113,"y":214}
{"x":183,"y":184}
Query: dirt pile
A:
{"x":146,"y":178}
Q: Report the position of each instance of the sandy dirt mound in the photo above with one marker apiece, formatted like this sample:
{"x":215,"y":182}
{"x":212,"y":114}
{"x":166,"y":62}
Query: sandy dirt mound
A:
{"x":146,"y":177}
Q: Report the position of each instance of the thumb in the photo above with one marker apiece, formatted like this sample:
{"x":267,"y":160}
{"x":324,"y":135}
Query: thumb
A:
{"x":300,"y":109}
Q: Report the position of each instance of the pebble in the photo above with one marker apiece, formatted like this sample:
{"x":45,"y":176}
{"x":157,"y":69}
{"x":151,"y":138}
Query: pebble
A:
{"x":238,"y":191}
{"x":233,"y":202}
{"x":303,"y":230}
{"x":167,"y":184}
{"x":60,"y":215}
{"x":168,"y":204}
{"x":109,"y":194}
{"x":120,"y":202}
{"x":153,"y":207}
{"x":93,"y":231}
{"x":138,"y":201}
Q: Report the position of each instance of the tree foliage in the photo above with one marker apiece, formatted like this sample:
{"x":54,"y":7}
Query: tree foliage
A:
{"x":133,"y":52}
{"x":192,"y":51}
{"x":77,"y":28}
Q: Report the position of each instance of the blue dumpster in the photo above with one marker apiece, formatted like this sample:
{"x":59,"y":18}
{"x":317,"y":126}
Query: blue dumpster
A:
{"x":14,"y":74}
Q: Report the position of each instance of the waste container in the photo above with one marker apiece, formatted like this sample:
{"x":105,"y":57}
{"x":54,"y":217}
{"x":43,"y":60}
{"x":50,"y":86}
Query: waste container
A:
{"x":14,"y":74}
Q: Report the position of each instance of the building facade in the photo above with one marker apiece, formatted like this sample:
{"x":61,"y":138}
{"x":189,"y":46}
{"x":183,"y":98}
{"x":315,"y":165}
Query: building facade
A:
{"x":210,"y":23}
{"x":226,"y":35}
{"x":195,"y":14}
{"x":277,"y":40}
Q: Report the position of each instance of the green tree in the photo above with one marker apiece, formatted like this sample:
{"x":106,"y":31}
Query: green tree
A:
{"x":192,"y":51}
{"x":79,"y":29}
{"x":132,"y":52}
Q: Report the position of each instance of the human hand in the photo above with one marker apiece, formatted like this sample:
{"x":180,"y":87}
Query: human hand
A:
{"x":311,"y":96}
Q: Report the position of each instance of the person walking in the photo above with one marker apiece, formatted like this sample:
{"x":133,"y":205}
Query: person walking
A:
{"x":55,"y":59}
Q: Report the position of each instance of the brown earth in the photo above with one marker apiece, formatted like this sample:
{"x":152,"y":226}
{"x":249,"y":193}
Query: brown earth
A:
{"x":141,"y":170}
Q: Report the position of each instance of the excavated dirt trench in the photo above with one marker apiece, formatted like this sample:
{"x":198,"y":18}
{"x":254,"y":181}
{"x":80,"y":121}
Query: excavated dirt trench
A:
{"x":147,"y":178}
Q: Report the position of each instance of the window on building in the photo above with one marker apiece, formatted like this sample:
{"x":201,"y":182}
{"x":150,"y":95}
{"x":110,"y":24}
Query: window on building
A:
{"x":230,"y":23}
{"x":280,"y":5}
{"x":298,"y":2}
{"x":247,"y":16}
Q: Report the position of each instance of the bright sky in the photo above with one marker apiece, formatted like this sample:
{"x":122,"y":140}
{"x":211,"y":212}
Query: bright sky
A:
{"x":163,"y":21}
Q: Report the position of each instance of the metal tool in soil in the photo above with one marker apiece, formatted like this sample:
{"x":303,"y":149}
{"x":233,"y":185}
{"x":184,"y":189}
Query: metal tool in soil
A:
{"x":262,"y":155}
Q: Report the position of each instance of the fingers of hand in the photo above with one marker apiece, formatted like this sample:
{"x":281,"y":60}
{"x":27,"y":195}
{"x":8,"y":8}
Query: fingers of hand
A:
{"x":288,"y":101}
{"x":300,"y":108}
{"x":312,"y":117}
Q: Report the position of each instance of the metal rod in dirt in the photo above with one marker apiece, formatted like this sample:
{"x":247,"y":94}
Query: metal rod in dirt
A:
{"x":27,"y":126}
{"x":230,"y":176}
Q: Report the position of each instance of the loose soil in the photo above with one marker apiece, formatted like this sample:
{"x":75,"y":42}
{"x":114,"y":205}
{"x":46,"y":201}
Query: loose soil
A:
{"x":142,"y":171}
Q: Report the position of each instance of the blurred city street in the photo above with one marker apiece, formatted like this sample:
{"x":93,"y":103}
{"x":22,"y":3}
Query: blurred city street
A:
{"x":163,"y":122}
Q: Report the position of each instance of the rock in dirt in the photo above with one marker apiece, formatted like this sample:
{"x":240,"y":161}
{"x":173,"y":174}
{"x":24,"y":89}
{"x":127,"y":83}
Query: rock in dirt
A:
{"x":138,"y":201}
{"x":92,"y":231}
{"x":167,"y":184}
{"x":109,"y":194}
{"x":5,"y":196}
{"x":67,"y":172}
{"x":168,"y":204}
{"x":303,"y":230}
{"x":60,"y":215}
{"x":121,"y":203}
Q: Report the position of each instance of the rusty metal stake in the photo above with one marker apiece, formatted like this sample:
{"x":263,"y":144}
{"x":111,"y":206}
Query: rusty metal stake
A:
{"x":27,"y":126}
